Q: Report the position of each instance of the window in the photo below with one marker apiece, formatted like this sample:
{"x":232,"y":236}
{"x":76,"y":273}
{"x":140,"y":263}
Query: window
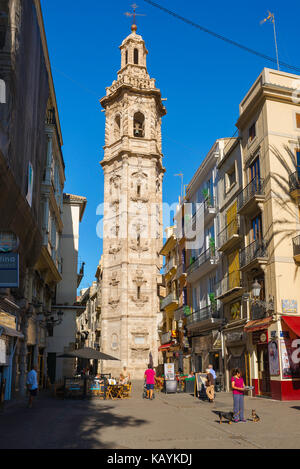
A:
{"x":298,"y":121}
{"x":136,"y":56}
{"x":256,"y":228}
{"x":139,"y":125}
{"x":230,"y":178}
{"x":254,"y":170}
{"x":252,"y":133}
{"x":138,"y":190}
{"x":117,"y":127}
{"x":126,"y":57}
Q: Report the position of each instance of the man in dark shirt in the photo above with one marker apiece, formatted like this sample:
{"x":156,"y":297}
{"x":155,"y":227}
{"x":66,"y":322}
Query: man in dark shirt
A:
{"x":210,"y":386}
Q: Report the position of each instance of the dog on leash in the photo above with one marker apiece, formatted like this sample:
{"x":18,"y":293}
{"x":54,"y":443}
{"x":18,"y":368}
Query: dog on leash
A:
{"x":225,"y":415}
{"x":255,"y":417}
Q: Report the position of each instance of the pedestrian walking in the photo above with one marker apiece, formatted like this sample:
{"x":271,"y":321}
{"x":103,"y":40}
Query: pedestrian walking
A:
{"x":237,"y":384}
{"x":32,"y":385}
{"x":150,"y":380}
{"x":212,"y":371}
{"x":210,"y":386}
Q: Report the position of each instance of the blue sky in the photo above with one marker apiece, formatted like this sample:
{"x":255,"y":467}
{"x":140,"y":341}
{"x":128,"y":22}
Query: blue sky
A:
{"x":203,"y":79}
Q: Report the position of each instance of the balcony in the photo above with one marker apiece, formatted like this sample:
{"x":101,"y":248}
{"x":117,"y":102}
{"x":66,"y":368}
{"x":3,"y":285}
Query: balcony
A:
{"x":230,"y":287}
{"x":250,"y":198}
{"x":296,"y":248}
{"x":166,"y":338}
{"x":202,"y":265}
{"x":170,"y":267}
{"x":253,"y":256}
{"x":294,"y":183}
{"x":182,"y":312}
{"x":208,"y":206}
{"x":170,"y":301}
{"x":230,"y":236}
{"x":181,"y":271}
{"x":205,"y":316}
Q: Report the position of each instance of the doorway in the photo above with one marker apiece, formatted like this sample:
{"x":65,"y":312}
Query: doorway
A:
{"x":264,"y":386}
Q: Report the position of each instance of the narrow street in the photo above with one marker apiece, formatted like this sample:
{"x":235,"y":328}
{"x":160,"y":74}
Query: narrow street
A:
{"x":170,"y":421}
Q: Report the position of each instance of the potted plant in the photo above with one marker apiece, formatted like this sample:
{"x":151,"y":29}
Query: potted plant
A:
{"x":212,"y":246}
{"x":206,"y":196}
{"x":213,"y":302}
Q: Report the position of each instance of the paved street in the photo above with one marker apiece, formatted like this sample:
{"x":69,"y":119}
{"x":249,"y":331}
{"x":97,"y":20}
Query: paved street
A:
{"x":170,"y":422}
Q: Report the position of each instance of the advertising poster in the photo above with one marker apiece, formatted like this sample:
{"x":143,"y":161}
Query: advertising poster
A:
{"x":169,"y":371}
{"x":274,"y":358}
{"x":289,"y":368}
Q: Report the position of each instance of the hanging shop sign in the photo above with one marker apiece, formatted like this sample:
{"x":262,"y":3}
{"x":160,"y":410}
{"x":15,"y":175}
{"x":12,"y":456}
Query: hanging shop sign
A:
{"x":9,"y":270}
{"x":273,"y":358}
{"x":289,"y":306}
{"x":290,"y":369}
{"x":9,"y":242}
{"x":260,"y":337}
{"x":235,"y":336}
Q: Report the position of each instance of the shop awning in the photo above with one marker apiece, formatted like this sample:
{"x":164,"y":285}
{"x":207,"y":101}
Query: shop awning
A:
{"x":11,"y":332}
{"x":293,"y":323}
{"x":258,"y":324}
{"x":164,"y":347}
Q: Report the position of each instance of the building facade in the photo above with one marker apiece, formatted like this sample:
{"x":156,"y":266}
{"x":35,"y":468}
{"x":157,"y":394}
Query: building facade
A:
{"x":133,"y":175}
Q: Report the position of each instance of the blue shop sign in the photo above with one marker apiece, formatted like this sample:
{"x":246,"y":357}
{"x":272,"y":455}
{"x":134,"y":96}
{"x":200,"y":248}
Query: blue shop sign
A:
{"x":9,"y":270}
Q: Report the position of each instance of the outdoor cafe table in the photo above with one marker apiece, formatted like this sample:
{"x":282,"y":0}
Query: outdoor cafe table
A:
{"x":115,"y":391}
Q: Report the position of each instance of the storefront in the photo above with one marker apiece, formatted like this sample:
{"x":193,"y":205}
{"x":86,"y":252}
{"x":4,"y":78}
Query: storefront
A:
{"x":9,"y":336}
{"x":236,"y":355}
{"x":275,"y":357}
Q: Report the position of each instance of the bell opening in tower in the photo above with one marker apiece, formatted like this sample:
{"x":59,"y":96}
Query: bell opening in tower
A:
{"x":139,"y":125}
{"x":136,"y":57}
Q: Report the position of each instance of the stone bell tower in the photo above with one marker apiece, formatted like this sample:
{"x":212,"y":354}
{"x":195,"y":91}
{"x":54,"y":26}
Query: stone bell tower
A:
{"x":132,"y":228}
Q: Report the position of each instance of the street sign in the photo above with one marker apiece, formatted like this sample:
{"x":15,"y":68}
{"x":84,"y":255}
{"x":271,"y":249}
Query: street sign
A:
{"x":9,"y":242}
{"x":9,"y":270}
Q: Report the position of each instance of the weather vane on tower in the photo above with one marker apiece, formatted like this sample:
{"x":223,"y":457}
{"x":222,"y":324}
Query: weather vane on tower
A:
{"x":133,"y":15}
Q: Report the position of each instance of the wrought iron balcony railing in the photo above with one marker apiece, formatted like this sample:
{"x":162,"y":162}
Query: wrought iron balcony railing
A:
{"x":254,"y":188}
{"x":209,"y":254}
{"x":183,"y":311}
{"x":255,"y":250}
{"x":203,"y":314}
{"x":169,"y":266}
{"x":230,"y":282}
{"x":294,"y":181}
{"x":166,"y":337}
{"x":171,"y":298}
{"x":231,"y":230}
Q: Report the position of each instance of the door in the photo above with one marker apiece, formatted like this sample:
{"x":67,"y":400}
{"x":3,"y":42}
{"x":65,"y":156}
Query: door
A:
{"x":234,"y":269}
{"x":264,"y":387}
{"x":231,"y":218}
{"x":51,"y":363}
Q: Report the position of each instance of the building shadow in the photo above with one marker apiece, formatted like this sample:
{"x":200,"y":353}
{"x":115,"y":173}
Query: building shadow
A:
{"x":63,"y":424}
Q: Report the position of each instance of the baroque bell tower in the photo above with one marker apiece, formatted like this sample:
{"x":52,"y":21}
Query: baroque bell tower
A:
{"x":132,"y":225}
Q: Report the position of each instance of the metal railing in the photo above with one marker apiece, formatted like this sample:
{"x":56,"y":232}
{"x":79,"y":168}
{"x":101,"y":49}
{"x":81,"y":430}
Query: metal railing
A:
{"x":165,"y":338}
{"x":209,"y":254}
{"x":296,"y":245}
{"x":171,"y":298}
{"x":203,"y":314}
{"x":169,"y":265}
{"x":230,"y":282}
{"x":253,"y":251}
{"x":232,"y":229}
{"x":255,"y":187}
{"x":294,"y":181}
{"x":183,"y":311}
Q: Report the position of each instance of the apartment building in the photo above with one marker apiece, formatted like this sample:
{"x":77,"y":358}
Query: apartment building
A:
{"x":203,"y":325}
{"x":269,"y":127}
{"x":230,"y":242}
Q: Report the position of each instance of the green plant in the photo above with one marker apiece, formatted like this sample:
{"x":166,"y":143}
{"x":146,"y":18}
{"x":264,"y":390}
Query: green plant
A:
{"x":206,"y":196}
{"x":212,"y":245}
{"x":213,"y":301}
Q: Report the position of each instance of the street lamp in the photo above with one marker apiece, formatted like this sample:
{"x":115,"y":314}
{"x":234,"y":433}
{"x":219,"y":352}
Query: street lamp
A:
{"x":256,"y":288}
{"x":180,"y":324}
{"x":48,"y":321}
